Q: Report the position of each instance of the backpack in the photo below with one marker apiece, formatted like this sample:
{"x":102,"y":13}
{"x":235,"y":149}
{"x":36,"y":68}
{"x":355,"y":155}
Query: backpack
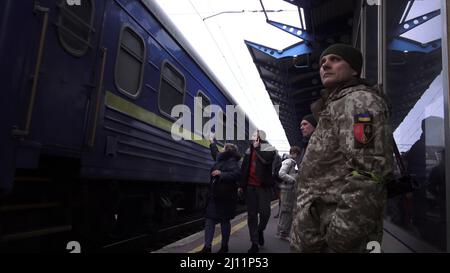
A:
{"x":276,"y":166}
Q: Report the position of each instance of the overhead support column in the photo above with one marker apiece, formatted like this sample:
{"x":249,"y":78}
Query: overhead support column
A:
{"x":381,"y":44}
{"x":446,"y":86}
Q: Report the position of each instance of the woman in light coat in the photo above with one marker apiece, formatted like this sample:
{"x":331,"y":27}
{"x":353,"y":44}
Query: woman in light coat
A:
{"x":287,"y":192}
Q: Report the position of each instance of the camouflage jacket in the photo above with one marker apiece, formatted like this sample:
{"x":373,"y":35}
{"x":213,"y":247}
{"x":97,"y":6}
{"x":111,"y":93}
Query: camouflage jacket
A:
{"x":340,"y":186}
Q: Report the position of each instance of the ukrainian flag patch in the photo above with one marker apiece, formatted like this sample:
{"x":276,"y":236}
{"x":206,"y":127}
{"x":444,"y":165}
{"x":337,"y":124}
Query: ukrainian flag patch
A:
{"x":363,"y":131}
{"x":363,"y":118}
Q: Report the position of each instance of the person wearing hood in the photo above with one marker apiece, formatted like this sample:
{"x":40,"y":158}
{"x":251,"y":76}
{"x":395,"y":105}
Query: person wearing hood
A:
{"x":258,"y":176}
{"x":341,"y":191}
{"x":222,"y":199}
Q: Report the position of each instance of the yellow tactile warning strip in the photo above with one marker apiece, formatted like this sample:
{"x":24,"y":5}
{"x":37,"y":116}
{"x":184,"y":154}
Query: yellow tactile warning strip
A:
{"x":235,"y":228}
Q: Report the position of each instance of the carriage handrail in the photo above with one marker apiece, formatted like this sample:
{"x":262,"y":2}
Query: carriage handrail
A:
{"x":104,"y":52}
{"x":37,"y":70}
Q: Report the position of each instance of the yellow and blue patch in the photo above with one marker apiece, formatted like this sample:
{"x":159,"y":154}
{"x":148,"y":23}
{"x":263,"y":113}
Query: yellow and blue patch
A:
{"x":363,"y":117}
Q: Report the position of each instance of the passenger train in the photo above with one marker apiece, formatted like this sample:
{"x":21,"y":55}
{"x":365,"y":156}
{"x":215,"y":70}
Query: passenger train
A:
{"x":87,"y":151}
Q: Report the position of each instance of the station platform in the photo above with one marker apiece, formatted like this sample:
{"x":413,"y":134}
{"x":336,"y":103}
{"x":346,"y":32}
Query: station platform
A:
{"x":239,"y":238}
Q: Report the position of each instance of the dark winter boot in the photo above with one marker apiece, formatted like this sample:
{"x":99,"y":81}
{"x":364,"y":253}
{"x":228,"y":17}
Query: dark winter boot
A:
{"x":253,"y":249}
{"x":223,"y":249}
{"x":261,"y":238}
{"x":205,"y":250}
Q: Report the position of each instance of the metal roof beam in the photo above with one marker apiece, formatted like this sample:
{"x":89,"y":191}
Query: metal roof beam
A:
{"x":295,"y":31}
{"x":294,"y":50}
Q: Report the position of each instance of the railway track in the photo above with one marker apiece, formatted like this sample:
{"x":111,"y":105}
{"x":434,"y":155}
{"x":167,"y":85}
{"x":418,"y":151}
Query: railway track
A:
{"x":147,"y":243}
{"x":38,"y":217}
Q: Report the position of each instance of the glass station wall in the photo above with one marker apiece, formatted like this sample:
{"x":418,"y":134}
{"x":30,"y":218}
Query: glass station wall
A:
{"x":414,"y":83}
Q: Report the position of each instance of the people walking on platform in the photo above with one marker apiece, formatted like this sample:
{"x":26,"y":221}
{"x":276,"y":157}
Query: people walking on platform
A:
{"x":278,"y":190}
{"x":341,"y":191}
{"x":257,"y":181}
{"x":222,"y":200}
{"x":287,"y":196}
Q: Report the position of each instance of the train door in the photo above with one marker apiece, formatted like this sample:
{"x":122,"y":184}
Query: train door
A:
{"x":56,"y":101}
{"x":124,"y":39}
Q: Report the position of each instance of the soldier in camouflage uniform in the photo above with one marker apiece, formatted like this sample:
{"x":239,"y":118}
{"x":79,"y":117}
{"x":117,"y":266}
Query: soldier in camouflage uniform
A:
{"x":340,"y":186}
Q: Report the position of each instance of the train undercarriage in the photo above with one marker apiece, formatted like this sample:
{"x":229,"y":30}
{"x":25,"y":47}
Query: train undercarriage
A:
{"x":53,"y":206}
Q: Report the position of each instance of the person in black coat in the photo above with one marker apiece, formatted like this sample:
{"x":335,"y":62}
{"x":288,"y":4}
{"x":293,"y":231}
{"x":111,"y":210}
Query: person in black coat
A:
{"x":222,"y":199}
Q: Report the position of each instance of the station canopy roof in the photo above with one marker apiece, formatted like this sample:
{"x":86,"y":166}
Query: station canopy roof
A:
{"x":291,"y":75}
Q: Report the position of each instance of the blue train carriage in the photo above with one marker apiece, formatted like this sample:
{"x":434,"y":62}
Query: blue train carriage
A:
{"x":49,"y":68}
{"x":49,"y":63}
{"x":89,"y":93}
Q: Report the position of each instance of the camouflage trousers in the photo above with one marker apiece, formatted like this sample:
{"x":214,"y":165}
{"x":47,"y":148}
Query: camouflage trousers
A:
{"x":287,"y":199}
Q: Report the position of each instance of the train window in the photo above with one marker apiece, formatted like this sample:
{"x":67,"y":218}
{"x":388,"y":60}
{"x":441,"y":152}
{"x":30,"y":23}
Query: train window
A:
{"x":75,"y":25}
{"x":205,"y":102}
{"x":218,"y":125}
{"x":171,"y":90}
{"x":224,"y":126}
{"x":130,"y":62}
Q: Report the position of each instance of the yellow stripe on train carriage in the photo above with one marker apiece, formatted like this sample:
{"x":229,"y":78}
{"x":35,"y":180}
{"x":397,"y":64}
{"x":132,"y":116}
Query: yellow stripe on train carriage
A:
{"x":132,"y":110}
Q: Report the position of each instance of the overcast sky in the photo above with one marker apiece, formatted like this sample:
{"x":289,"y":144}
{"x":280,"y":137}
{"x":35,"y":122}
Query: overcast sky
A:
{"x":220,"y":41}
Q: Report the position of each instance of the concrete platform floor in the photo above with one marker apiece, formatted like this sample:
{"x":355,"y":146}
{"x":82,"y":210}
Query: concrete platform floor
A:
{"x":239,"y":239}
